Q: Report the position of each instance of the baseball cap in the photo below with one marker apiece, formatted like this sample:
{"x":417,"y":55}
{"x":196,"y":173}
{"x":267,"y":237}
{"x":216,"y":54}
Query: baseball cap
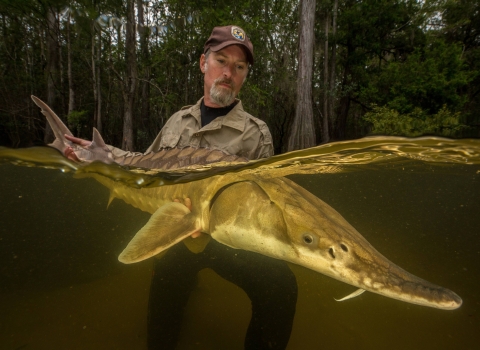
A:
{"x":222,"y":37}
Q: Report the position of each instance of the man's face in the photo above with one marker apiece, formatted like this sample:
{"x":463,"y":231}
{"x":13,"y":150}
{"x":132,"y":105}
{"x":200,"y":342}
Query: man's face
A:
{"x":225,"y":71}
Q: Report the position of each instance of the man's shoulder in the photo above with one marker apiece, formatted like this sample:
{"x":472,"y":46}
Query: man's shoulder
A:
{"x":186,"y":107}
{"x":260,"y":124}
{"x":182,"y":112}
{"x":189,"y":109}
{"x":240,"y":111}
{"x":185,"y":110}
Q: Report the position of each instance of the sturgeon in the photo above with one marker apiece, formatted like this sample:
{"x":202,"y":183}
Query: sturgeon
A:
{"x":98,"y":150}
{"x":271,"y":216}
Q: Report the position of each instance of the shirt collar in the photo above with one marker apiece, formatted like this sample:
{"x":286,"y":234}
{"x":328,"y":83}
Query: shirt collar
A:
{"x":233,"y":119}
{"x":195,"y":112}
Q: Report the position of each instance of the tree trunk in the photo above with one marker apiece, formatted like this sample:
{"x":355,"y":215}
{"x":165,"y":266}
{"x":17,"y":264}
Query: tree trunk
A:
{"x":52,"y":67}
{"x":130,"y":82}
{"x":144,"y":49}
{"x":333,"y":64}
{"x":93,"y":47}
{"x":96,"y":47}
{"x":344,"y":107}
{"x":71,"y":91}
{"x":99,"y":91}
{"x":303,"y":131}
{"x":326,"y":109}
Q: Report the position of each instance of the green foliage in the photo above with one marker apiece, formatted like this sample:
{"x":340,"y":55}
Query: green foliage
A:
{"x":77,"y":119}
{"x":429,"y":78}
{"x":386,"y":121}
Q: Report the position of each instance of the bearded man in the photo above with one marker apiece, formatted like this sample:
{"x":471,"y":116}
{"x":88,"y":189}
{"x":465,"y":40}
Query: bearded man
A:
{"x":218,"y":121}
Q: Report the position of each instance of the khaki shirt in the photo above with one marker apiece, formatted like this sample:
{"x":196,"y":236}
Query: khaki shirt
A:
{"x":236,"y":133}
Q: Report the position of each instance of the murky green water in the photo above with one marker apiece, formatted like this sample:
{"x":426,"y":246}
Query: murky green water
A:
{"x":416,"y":201}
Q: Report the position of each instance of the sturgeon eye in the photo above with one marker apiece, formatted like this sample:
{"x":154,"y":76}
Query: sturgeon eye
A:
{"x":308,"y":239}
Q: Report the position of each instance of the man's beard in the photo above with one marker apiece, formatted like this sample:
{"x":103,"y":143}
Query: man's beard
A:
{"x":222,"y":96}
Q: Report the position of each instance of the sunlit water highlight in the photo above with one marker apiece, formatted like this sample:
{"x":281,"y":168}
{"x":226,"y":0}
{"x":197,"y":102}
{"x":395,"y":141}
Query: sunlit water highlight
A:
{"x":415,"y":200}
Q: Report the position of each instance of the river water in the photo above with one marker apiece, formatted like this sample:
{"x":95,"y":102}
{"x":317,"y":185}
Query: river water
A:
{"x":415,"y":200}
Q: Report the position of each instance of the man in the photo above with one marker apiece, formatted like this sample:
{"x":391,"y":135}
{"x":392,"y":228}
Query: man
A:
{"x":218,"y":121}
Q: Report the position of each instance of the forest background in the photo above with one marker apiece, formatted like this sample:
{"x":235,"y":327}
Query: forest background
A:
{"x":392,"y":67}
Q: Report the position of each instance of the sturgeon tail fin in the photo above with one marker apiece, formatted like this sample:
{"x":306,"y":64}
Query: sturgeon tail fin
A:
{"x":58,"y":127}
{"x":97,"y":150}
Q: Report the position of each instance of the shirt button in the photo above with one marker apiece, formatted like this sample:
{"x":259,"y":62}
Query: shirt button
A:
{"x":196,"y":134}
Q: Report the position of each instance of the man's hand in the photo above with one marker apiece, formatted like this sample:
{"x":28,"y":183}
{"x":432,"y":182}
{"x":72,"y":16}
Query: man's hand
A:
{"x":188,"y":203}
{"x":69,"y":153}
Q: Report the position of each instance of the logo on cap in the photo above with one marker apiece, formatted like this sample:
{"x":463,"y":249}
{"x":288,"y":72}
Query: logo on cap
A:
{"x":238,"y":33}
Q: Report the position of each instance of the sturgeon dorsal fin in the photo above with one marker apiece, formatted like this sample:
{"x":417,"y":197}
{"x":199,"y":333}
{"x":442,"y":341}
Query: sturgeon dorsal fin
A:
{"x":97,"y":139}
{"x":170,"y":224}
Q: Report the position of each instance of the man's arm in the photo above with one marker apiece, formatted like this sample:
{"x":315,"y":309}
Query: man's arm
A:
{"x":69,"y":153}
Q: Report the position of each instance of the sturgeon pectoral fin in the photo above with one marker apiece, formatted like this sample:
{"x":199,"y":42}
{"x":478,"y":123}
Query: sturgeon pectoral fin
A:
{"x":353,"y":295}
{"x":170,"y":224}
